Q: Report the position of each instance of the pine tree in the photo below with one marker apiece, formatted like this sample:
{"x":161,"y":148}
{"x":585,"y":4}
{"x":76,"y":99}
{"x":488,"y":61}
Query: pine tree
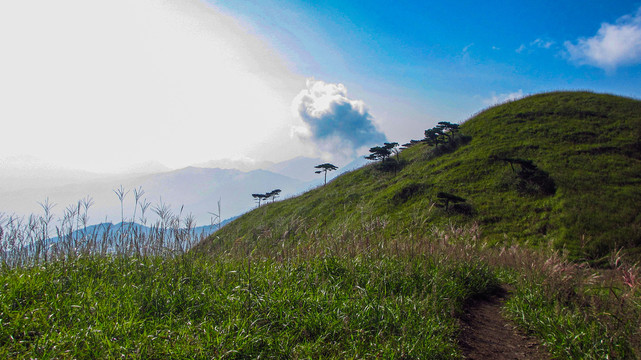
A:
{"x":325,"y":168}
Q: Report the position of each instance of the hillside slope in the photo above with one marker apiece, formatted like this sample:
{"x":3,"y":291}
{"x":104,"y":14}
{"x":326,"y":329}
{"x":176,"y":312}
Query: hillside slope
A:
{"x":583,"y":194}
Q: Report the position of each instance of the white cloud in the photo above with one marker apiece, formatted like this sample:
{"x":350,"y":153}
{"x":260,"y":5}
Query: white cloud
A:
{"x":614,"y":45}
{"x":337,"y":124}
{"x":543,"y":44}
{"x":536,"y":44}
{"x":495,"y":99}
{"x":103,"y":84}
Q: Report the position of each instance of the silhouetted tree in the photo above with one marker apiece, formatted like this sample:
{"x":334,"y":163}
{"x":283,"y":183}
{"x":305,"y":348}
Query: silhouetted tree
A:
{"x":412,"y":143}
{"x":447,"y":129}
{"x":272,"y":194}
{"x":266,"y":196}
{"x":531,"y":178}
{"x":325,"y":168}
{"x":526,"y":165}
{"x":433,"y":136}
{"x":379,"y":153}
{"x":383,"y":153}
{"x":448,"y":198}
{"x":259,"y":198}
{"x":393,"y":148}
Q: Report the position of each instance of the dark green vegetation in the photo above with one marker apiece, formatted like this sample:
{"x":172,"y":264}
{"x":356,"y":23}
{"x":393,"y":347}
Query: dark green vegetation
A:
{"x":558,"y":167}
{"x":377,"y":263}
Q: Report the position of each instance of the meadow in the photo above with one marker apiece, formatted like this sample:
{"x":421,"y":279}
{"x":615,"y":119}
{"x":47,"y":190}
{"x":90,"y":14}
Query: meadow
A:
{"x":356,"y":294}
{"x":371,"y":265}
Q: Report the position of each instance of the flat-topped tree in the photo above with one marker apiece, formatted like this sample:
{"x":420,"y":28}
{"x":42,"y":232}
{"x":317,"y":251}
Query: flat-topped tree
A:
{"x":383,"y":154}
{"x":448,"y":198}
{"x":266,"y":196}
{"x":379,"y":153}
{"x":529,"y":174}
{"x":259,"y":198}
{"x":272,"y":194}
{"x":412,"y":143}
{"x":527,"y":166}
{"x":325,"y":168}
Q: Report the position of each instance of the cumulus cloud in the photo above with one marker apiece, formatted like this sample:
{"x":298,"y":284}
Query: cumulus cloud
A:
{"x":613,"y":45}
{"x":501,"y":98}
{"x":337,"y":124}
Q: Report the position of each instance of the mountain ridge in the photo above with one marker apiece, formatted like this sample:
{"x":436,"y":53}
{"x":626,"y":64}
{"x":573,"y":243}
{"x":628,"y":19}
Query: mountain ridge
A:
{"x":197,"y":189}
{"x":587,"y":144}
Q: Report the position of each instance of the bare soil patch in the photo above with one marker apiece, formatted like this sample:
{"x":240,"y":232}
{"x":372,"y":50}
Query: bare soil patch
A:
{"x":487,"y":334}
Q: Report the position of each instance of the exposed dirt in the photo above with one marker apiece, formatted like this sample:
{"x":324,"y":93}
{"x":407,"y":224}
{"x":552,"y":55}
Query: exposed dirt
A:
{"x":488,"y":335}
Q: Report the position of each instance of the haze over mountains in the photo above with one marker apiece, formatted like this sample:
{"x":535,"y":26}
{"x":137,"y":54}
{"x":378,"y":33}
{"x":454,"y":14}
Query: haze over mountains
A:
{"x":197,"y":188}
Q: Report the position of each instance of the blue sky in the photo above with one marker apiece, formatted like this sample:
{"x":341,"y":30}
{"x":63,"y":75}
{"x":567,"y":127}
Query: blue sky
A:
{"x":443,"y":52}
{"x":103,"y":86}
{"x":418,"y":62}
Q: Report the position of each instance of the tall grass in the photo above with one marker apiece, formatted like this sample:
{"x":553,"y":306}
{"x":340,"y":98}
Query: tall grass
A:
{"x":293,"y":290}
{"x":577,"y":311}
{"x":268,"y":295}
{"x":38,"y":239}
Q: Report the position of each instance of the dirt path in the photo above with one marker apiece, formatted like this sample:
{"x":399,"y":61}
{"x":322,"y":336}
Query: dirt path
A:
{"x":487,"y":335}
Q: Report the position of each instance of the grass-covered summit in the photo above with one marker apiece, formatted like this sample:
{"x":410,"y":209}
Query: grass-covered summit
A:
{"x":379,"y":263}
{"x":562,"y":167}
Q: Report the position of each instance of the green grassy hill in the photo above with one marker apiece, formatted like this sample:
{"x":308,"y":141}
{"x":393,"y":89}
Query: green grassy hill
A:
{"x":372,"y":265}
{"x":588,"y":144}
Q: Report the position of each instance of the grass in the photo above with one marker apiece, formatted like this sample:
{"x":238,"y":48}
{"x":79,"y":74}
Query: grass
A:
{"x":350,"y":295}
{"x":367,"y":266}
{"x":392,"y":302}
{"x":588,"y":143}
{"x":355,"y":294}
{"x":577,"y":312}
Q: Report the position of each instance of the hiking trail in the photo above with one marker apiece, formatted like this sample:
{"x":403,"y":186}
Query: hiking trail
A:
{"x":486,"y":334}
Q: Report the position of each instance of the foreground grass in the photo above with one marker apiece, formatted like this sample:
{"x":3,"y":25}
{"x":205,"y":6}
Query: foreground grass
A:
{"x":368,"y":266}
{"x":577,"y":312}
{"x":190,"y":307}
{"x":344,"y":297}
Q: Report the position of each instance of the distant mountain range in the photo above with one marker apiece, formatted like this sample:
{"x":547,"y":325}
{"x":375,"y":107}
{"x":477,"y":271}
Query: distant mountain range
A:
{"x":112,"y":231}
{"x":194,"y":190}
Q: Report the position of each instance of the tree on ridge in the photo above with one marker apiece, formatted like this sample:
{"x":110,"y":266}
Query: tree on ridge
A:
{"x":259,"y":198}
{"x":272,"y":194}
{"x":325,"y":168}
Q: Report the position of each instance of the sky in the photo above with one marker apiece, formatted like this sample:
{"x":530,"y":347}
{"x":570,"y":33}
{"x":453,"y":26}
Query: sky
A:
{"x":104,"y":86}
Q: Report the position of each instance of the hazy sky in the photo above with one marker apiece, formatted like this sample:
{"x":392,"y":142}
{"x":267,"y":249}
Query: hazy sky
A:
{"x":104,"y":85}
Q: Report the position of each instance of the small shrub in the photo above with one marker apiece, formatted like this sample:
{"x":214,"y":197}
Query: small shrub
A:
{"x":458,"y":203}
{"x":530,"y":179}
{"x":408,"y":192}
